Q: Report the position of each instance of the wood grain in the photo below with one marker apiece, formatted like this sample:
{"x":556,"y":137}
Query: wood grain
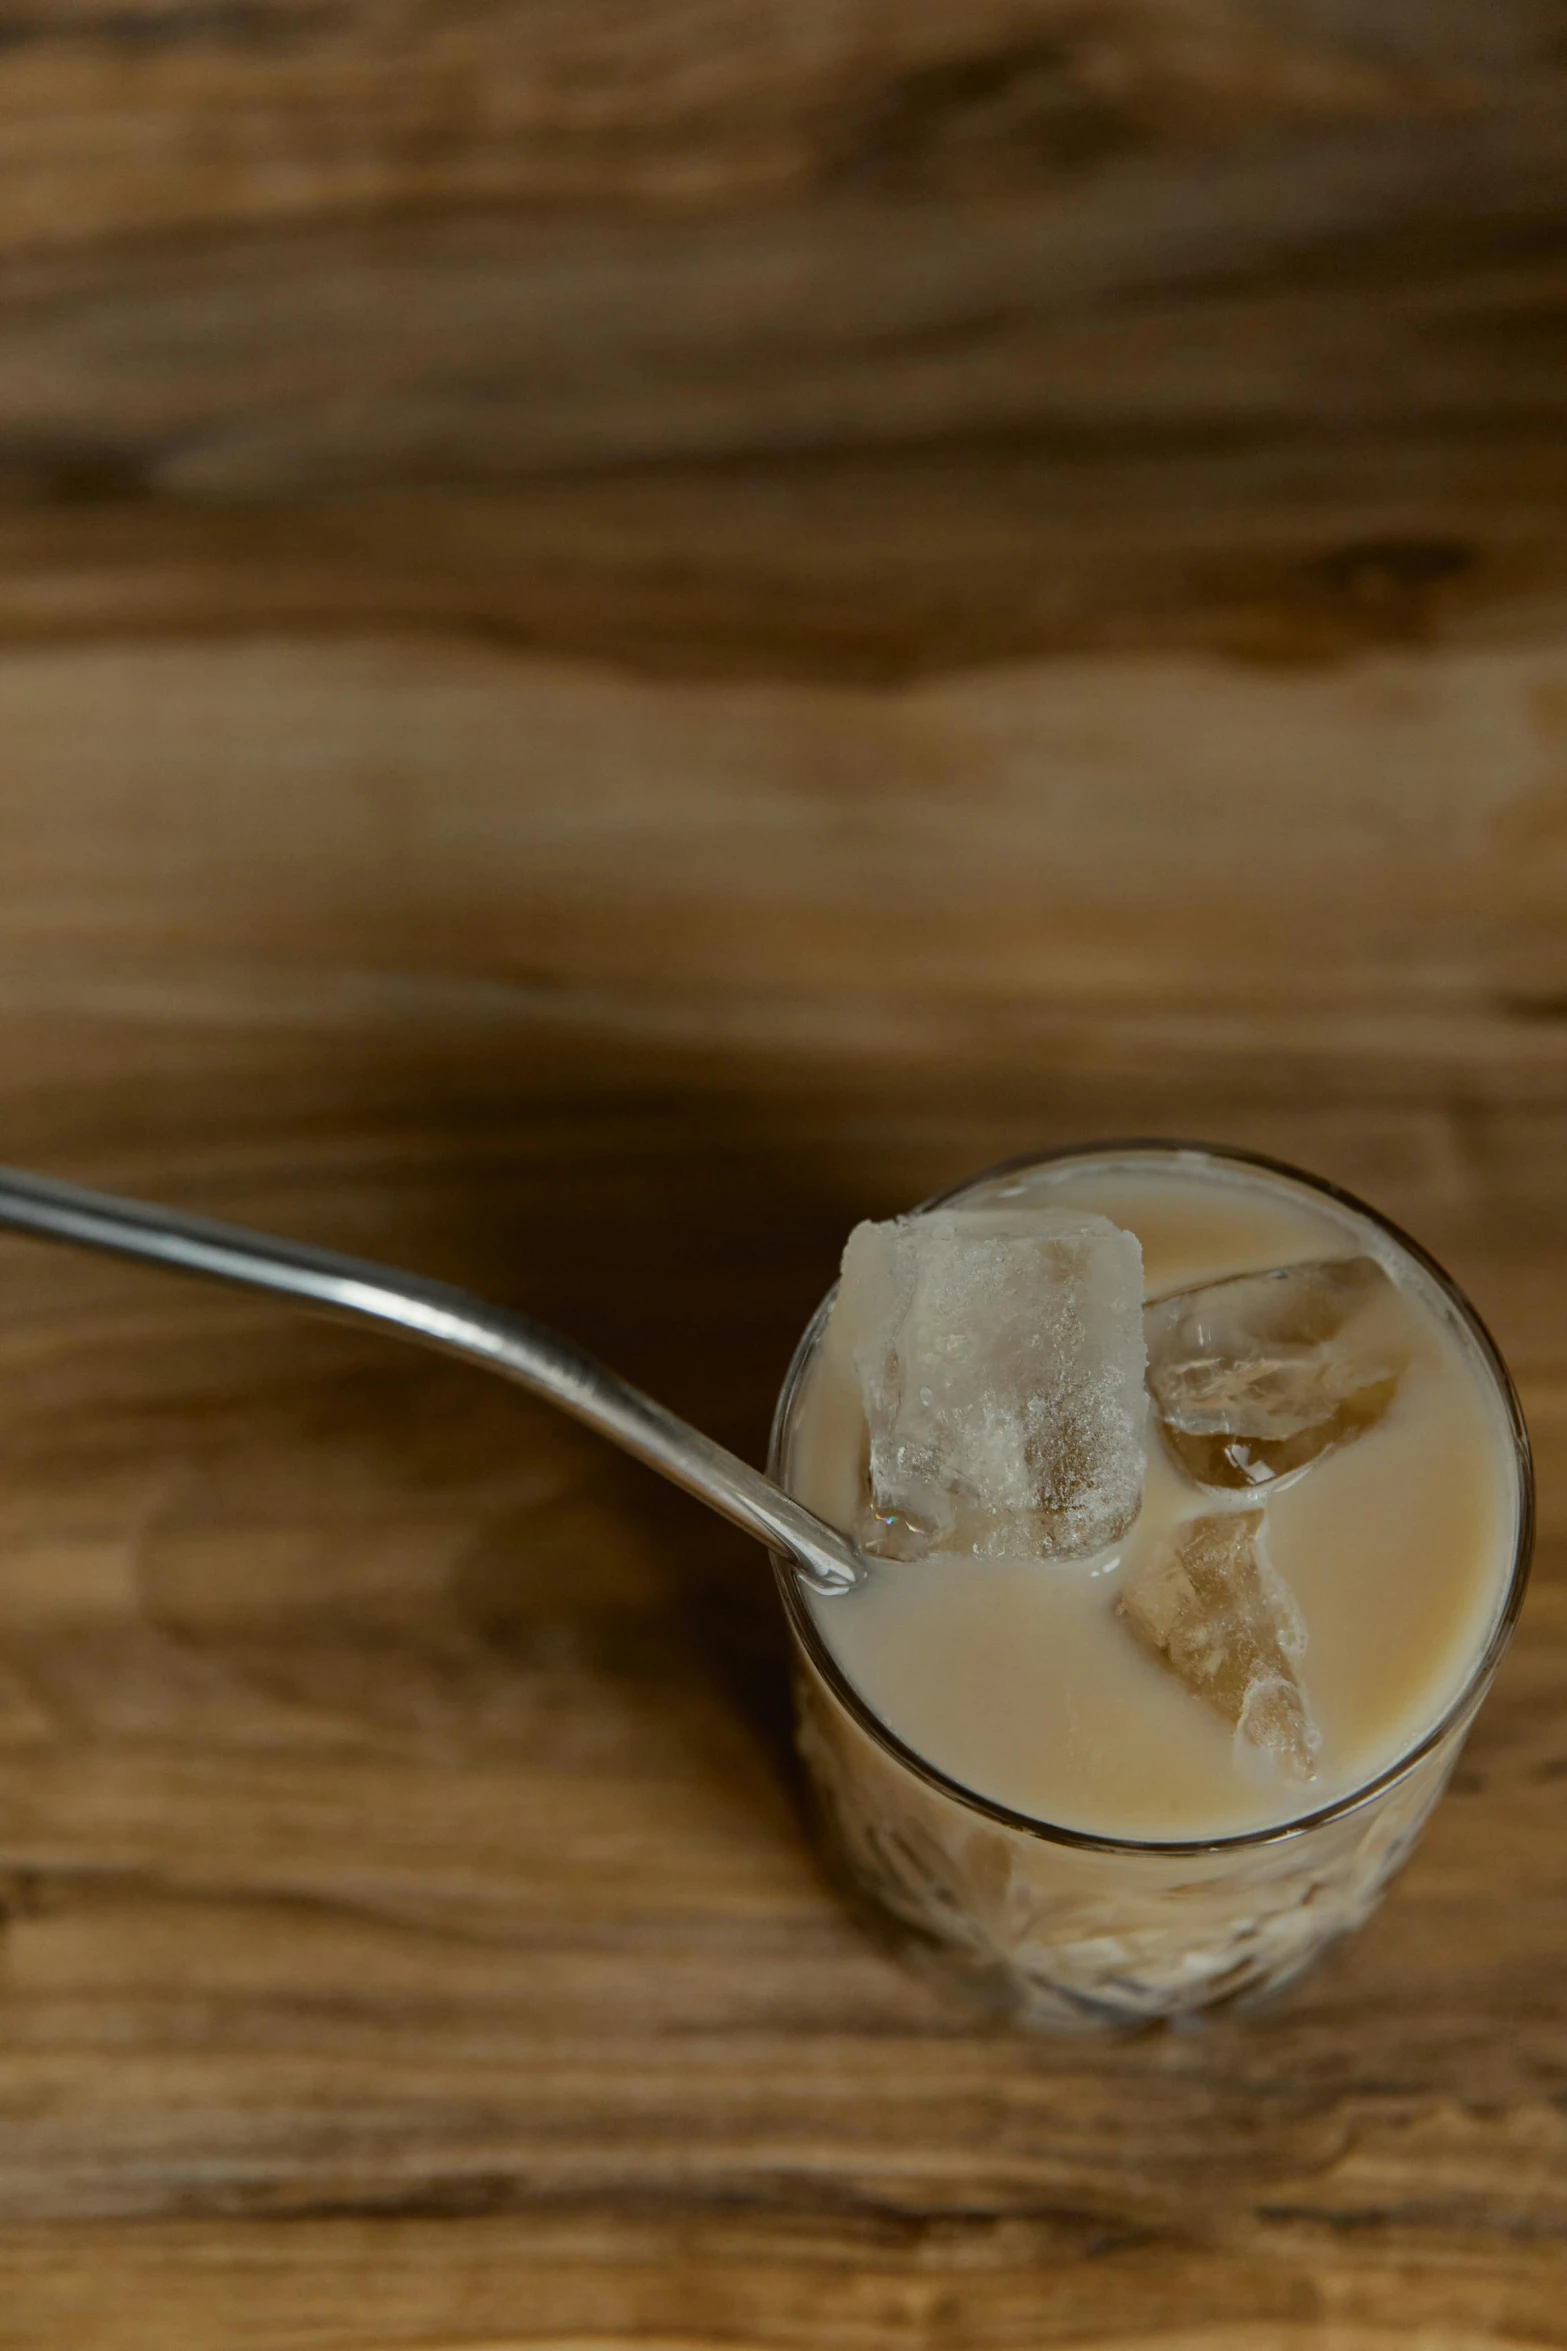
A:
{"x":769,"y":337}
{"x":410,"y":1934}
{"x":627,"y":634}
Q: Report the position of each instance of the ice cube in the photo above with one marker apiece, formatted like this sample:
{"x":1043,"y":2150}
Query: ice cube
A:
{"x":1000,"y":1358}
{"x":1256,"y":1376}
{"x":1213,"y":1611}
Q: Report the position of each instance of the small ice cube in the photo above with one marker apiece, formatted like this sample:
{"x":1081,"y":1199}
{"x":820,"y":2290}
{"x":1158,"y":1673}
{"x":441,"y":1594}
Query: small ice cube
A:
{"x":1215,"y":1613}
{"x":1000,"y":1358}
{"x":1256,"y":1376}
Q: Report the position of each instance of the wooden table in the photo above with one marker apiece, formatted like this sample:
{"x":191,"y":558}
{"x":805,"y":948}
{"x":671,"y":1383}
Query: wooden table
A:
{"x":626,"y":634}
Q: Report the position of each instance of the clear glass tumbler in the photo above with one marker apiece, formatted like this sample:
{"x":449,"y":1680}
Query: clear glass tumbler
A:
{"x":1057,"y":1929}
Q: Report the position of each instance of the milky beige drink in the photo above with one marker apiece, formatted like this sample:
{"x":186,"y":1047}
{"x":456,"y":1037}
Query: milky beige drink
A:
{"x":1160,"y":1672}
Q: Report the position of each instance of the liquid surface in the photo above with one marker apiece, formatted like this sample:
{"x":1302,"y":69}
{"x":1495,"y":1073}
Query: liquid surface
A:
{"x":1017,"y":1679}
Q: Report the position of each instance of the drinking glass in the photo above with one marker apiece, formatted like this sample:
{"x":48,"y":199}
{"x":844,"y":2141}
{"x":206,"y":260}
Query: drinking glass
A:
{"x":1056,"y":1928}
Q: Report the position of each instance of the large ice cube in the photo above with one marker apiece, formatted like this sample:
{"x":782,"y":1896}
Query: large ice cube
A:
{"x":1256,"y":1376}
{"x":1213,"y":1611}
{"x":1000,"y":1358}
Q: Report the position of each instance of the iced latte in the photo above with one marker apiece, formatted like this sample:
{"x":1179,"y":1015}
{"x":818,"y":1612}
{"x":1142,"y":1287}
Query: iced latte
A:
{"x":1197,"y":1503}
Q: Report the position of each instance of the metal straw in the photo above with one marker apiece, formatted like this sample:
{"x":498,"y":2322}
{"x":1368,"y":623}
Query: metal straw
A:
{"x":434,"y":1314}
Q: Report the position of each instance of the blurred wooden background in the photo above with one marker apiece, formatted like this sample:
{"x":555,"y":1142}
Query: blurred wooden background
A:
{"x":629,"y":630}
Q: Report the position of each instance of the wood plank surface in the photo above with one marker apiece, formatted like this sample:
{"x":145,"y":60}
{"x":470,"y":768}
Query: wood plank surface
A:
{"x":627,"y":633}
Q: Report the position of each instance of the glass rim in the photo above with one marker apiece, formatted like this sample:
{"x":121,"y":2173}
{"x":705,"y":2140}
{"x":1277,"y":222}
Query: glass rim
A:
{"x":1453,"y":1716}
